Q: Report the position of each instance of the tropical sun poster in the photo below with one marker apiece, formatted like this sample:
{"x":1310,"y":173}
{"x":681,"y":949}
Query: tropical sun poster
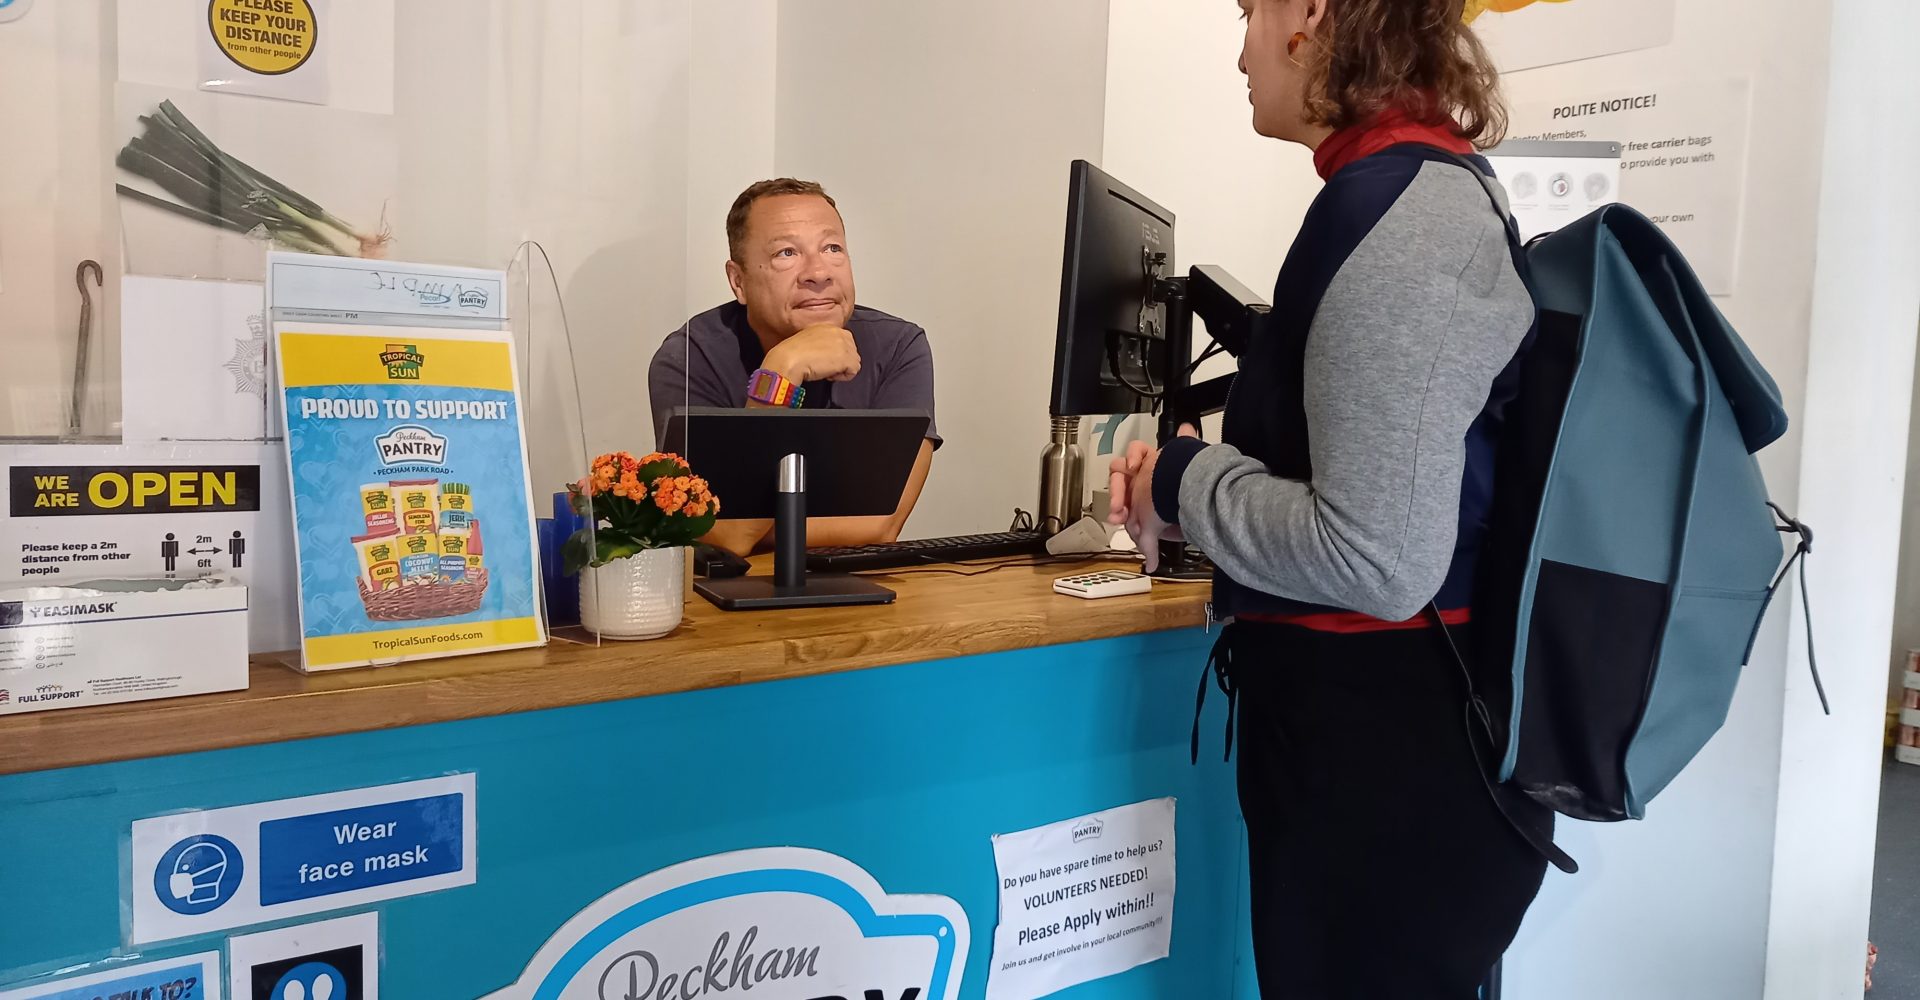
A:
{"x":1523,"y":34}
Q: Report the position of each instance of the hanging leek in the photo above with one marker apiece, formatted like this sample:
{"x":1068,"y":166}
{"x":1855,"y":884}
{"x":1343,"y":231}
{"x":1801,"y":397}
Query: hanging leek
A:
{"x":217,"y":189}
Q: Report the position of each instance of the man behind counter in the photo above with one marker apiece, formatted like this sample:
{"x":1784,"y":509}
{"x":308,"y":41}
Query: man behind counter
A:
{"x":794,"y":337}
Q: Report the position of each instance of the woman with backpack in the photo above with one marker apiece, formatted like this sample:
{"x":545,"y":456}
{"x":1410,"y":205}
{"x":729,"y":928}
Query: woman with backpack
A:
{"x":1344,"y":509}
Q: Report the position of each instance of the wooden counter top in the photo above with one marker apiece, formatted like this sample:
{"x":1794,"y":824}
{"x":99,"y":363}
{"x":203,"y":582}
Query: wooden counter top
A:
{"x":937,"y":616}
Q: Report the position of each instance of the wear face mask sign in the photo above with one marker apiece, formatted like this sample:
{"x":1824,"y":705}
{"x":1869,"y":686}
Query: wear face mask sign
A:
{"x":196,"y":876}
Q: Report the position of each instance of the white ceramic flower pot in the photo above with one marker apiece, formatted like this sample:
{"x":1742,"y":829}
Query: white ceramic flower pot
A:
{"x":640,"y":597}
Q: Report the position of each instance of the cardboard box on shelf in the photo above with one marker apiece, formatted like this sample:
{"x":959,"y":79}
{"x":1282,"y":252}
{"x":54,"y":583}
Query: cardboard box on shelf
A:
{"x":113,"y":641}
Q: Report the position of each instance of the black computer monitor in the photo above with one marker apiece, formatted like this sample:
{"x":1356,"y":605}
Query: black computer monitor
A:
{"x":1112,"y":352}
{"x":787,"y":465}
{"x":1125,"y":343}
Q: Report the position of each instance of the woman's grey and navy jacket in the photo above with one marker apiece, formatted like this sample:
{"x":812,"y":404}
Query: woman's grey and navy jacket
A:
{"x":1355,"y":472}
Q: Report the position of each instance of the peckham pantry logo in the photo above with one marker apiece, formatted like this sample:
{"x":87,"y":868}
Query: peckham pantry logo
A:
{"x":411,"y":444}
{"x":403,"y":362}
{"x":784,"y":923}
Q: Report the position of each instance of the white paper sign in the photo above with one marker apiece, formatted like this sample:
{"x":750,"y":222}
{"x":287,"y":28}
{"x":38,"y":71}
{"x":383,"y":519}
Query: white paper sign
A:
{"x":1082,"y":899}
{"x":785,"y":923}
{"x":199,"y":352}
{"x":327,"y":960}
{"x":215,"y":869}
{"x":1683,"y":159}
{"x":189,"y":977}
{"x":1547,"y":32}
{"x":1550,"y":184}
{"x":266,"y":48}
{"x":74,"y":513}
{"x":353,"y":290}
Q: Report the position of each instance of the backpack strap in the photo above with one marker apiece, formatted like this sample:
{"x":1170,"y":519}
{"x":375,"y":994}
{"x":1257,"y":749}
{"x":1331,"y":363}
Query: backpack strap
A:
{"x":1790,"y":525}
{"x":1479,"y":723}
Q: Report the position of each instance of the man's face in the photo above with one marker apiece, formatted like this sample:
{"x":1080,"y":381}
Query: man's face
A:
{"x":794,"y":270}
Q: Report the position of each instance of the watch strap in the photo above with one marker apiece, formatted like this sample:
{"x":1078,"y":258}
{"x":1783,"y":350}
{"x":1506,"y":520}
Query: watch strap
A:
{"x":774,"y":389}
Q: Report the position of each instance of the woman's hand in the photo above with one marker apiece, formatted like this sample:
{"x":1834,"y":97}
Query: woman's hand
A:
{"x":1130,"y":498}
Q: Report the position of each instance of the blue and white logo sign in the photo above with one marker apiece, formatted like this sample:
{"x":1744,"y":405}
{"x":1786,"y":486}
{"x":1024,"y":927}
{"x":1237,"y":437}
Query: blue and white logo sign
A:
{"x":311,"y":981}
{"x":188,"y":977}
{"x":221,"y":868}
{"x":13,"y":10}
{"x":786,"y":923}
{"x":198,"y":874}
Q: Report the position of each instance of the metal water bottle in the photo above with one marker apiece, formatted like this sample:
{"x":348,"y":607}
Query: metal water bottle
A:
{"x":1062,"y":486}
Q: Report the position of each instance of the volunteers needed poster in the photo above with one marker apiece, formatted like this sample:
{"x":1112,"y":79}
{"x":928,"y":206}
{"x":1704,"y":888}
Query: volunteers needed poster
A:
{"x":412,"y":514}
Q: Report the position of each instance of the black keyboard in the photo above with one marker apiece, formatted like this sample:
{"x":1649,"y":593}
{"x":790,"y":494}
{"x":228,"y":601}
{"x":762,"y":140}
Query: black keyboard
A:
{"x":926,"y":551}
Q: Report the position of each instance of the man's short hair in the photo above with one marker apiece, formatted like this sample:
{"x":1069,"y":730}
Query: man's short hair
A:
{"x":737,"y":215}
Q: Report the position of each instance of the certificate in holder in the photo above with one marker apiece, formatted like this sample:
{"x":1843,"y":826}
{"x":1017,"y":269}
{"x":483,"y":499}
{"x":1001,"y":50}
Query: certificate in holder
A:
{"x":407,"y":439}
{"x":789,"y":465}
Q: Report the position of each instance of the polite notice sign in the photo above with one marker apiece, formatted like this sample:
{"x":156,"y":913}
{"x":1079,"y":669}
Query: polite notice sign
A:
{"x":215,"y":869}
{"x":1082,"y":899}
{"x":1683,"y":157}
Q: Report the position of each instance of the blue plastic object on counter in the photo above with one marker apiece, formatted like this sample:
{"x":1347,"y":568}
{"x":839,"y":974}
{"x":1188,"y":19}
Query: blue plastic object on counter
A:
{"x":563,"y":591}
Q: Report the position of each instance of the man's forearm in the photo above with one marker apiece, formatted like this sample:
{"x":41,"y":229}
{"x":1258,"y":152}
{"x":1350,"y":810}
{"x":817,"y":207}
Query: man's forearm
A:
{"x":744,"y":538}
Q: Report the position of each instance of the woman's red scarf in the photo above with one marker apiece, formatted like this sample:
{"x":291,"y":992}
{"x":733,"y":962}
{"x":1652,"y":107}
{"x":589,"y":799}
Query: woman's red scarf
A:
{"x":1390,"y":128}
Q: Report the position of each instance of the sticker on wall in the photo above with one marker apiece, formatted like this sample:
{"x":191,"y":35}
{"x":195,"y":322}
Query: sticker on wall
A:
{"x":189,"y":977}
{"x":786,"y":923}
{"x":1082,"y":899}
{"x":13,"y":10}
{"x":211,"y":870}
{"x":328,"y":960}
{"x":265,"y":48}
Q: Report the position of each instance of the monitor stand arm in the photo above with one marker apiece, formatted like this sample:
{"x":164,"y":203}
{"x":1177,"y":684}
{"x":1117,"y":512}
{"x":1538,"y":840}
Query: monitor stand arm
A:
{"x":791,"y":586}
{"x":1183,"y":403}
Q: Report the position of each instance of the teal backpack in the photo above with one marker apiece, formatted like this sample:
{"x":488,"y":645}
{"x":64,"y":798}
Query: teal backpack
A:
{"x":1632,"y":550}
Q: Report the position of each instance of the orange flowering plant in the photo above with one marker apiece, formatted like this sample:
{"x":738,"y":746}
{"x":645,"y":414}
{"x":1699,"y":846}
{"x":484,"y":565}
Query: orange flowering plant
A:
{"x":637,"y":504}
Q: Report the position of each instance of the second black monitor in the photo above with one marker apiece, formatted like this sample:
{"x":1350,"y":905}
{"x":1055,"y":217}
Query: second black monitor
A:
{"x":1111,"y":353}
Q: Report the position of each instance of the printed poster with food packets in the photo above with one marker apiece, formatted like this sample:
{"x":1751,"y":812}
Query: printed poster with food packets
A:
{"x":412,"y":510}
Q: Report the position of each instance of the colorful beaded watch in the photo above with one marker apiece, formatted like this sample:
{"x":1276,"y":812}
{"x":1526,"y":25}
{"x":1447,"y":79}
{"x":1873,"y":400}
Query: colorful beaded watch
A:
{"x":773,"y":389}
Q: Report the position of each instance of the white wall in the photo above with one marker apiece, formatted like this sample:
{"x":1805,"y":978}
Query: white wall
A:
{"x":945,"y":131}
{"x":1180,"y":131}
{"x":1906,"y":599}
{"x":730,"y":131}
{"x":56,"y":68}
{"x":591,"y":160}
{"x":1859,"y":393}
{"x":578,"y":133}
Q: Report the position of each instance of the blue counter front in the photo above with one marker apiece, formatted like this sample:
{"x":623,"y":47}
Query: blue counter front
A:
{"x":906,"y":771}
